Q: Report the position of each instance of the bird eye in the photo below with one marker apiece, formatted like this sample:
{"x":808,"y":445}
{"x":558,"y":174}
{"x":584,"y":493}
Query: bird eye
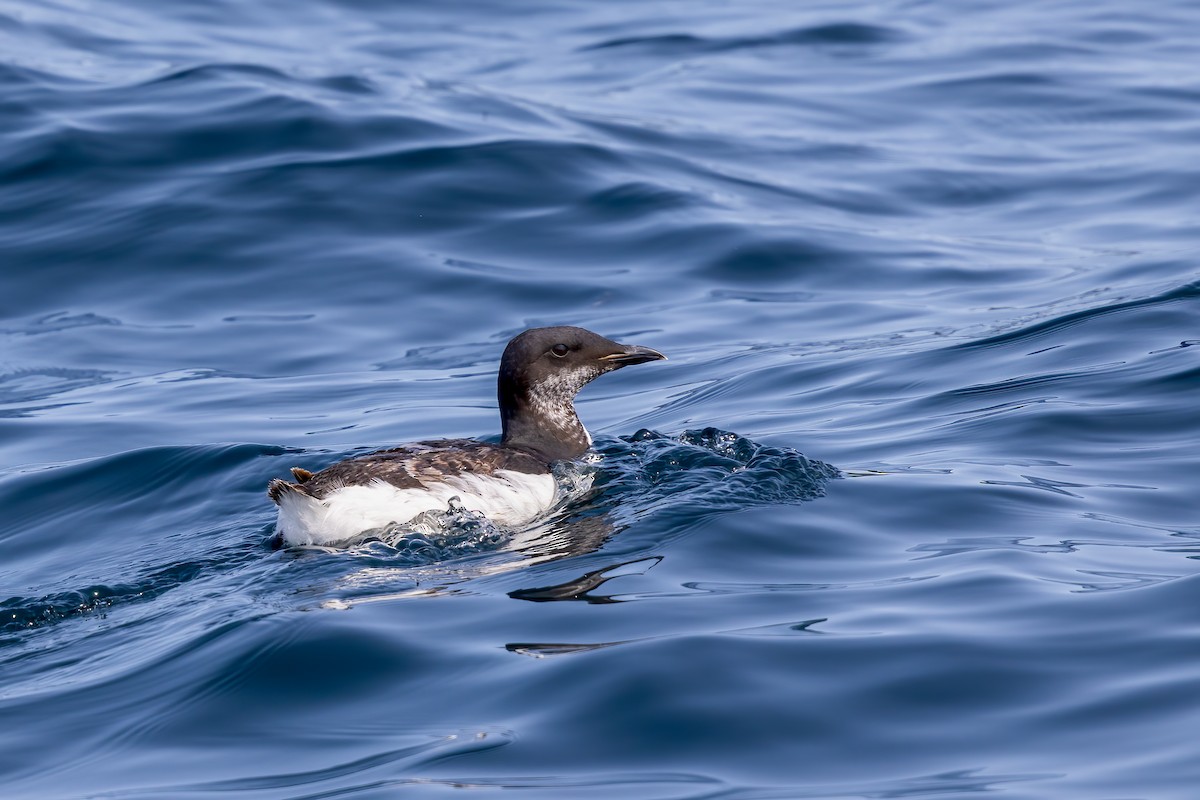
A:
{"x":560,"y":350}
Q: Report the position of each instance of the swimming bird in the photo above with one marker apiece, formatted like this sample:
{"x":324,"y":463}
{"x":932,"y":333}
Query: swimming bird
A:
{"x":511,"y":483}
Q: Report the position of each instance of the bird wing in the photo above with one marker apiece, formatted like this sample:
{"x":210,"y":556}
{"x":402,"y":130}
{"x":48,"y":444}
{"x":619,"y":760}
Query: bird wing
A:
{"x":412,"y":466}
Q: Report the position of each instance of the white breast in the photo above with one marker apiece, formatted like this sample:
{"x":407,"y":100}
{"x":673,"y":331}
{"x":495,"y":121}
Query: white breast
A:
{"x":505,"y":497}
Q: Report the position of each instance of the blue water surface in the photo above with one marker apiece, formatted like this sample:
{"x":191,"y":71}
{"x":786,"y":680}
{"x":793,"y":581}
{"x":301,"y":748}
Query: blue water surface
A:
{"x":911,"y":511}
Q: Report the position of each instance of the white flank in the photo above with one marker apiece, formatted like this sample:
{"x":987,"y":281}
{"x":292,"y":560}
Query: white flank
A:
{"x":505,"y":497}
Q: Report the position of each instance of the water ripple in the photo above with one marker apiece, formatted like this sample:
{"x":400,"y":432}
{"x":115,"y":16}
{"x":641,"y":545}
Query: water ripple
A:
{"x":952,"y":253}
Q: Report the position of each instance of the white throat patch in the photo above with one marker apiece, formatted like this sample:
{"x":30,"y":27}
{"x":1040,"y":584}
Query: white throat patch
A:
{"x":552,"y":398}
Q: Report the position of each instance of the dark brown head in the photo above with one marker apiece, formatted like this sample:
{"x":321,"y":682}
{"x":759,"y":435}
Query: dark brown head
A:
{"x":540,"y":373}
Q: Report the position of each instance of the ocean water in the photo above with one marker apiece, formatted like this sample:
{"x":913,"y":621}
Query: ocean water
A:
{"x":911,"y":511}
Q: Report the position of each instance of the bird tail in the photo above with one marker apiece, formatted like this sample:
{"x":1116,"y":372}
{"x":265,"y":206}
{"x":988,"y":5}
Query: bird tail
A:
{"x":278,"y":488}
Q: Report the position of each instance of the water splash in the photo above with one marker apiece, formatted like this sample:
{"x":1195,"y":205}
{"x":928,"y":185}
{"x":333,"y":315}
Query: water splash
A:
{"x":678,"y":478}
{"x":708,"y":470}
{"x":441,"y":535}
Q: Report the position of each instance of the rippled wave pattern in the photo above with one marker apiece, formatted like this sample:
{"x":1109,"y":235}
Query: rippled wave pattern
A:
{"x":910,"y":511}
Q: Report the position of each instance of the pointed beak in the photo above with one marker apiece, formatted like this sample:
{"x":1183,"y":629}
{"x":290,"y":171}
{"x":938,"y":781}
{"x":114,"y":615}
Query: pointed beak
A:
{"x":633,"y":354}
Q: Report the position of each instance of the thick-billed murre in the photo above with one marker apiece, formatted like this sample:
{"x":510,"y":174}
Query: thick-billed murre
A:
{"x":511,"y":483}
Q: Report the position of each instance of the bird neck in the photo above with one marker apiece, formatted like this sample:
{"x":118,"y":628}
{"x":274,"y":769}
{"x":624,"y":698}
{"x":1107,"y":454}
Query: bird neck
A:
{"x":544,"y":425}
